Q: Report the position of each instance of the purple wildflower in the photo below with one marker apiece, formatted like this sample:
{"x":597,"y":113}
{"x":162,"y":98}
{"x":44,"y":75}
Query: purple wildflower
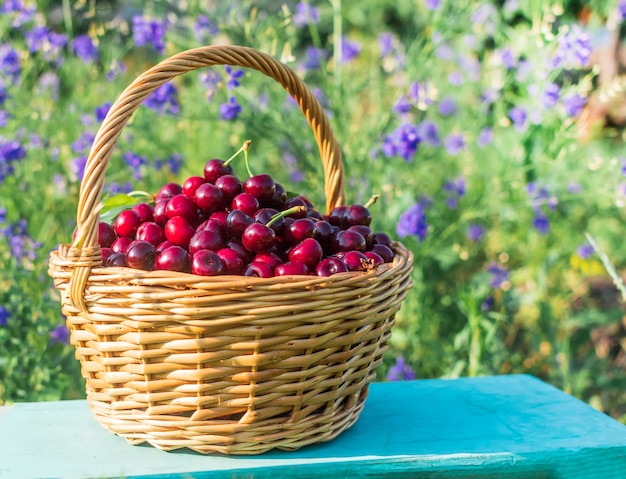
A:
{"x":85,"y":48}
{"x":349,"y":50}
{"x":313,"y":58}
{"x":101,"y":111}
{"x":447,"y":107}
{"x":429,"y":134}
{"x":432,"y":4}
{"x":574,"y":104}
{"x":116,"y":69}
{"x":149,"y":33}
{"x":211,"y":81}
{"x":295,"y":173}
{"x":83,"y":143}
{"x":574,"y":48}
{"x":454,"y":189}
{"x":445,"y":52}
{"x":541,"y":222}
{"x":585,"y":251}
{"x":403,"y":142}
{"x":22,"y":246}
{"x":385,"y":43}
{"x":174,"y":163}
{"x":485,"y":137}
{"x":115,"y":188}
{"x":475,"y":232}
{"x":621,"y":9}
{"x":59,"y":335}
{"x":508,"y":58}
{"x":499,"y":275}
{"x":41,"y":39}
{"x":10,"y":66}
{"x":402,"y":106}
{"x":454,"y":143}
{"x":77,"y":168}
{"x":4,"y":117}
{"x":401,"y":371}
{"x":230,"y":110}
{"x":233,"y":77}
{"x":11,"y":152}
{"x":204,"y":29}
{"x":50,"y":82}
{"x":305,"y":14}
{"x":4,"y":316}
{"x":487,"y":304}
{"x":135,"y":162}
{"x":3,"y":93}
{"x":413,"y":222}
{"x":164,"y":99}
{"x":518,"y":116}
{"x":551,"y":95}
{"x":455,"y":78}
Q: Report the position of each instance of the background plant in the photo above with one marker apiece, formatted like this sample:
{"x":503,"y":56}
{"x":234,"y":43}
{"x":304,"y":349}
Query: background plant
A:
{"x":467,"y":129}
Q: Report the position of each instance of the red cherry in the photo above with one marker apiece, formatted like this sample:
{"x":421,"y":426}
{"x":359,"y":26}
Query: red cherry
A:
{"x":164,"y":245}
{"x":181,"y":205}
{"x":230,"y":186}
{"x":258,"y":237}
{"x":126,"y":223}
{"x":236,"y":223}
{"x":208,"y":198}
{"x":207,"y":263}
{"x":215,"y":226}
{"x":219,"y":216}
{"x":258,"y":270}
{"x":374,"y":259}
{"x":291,"y":268}
{"x":159,"y":212}
{"x":116,"y":260}
{"x":355,"y":215}
{"x":120,"y":245}
{"x":215,"y":168}
{"x":106,"y":252}
{"x":246,"y":203}
{"x":345,"y":240}
{"x":106,"y":234}
{"x":309,"y":252}
{"x":336,"y":215}
{"x":145,"y":212}
{"x":385,"y":252}
{"x":271,"y":259}
{"x":191,"y":184}
{"x":382,"y":238}
{"x":299,"y":230}
{"x":329,"y":266}
{"x":151,"y":232}
{"x":233,"y":264}
{"x":205,"y":239}
{"x":262,"y":187}
{"x":356,"y":261}
{"x":297,"y":201}
{"x":179,"y":231}
{"x":141,"y":255}
{"x":173,"y":258}
{"x":364,"y":231}
{"x":167,"y":191}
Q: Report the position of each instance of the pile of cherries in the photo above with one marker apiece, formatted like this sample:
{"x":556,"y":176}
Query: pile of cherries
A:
{"x":216,"y":224}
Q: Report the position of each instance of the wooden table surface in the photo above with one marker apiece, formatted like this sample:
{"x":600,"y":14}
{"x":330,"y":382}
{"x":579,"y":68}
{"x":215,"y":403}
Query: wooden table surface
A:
{"x":503,"y":426}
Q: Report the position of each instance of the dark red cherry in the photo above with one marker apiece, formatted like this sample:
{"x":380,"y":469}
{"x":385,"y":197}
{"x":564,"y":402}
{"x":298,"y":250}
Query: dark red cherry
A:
{"x":258,"y":270}
{"x":279,"y":198}
{"x":173,"y":258}
{"x":264,"y":215}
{"x":207,"y":263}
{"x":291,"y":268}
{"x":106,"y":234}
{"x":179,"y":231}
{"x":191,"y":184}
{"x":262,"y":187}
{"x":230,"y":186}
{"x":167,"y":191}
{"x":120,"y":245}
{"x":299,"y":230}
{"x":126,"y":223}
{"x":364,"y":231}
{"x":140,"y":255}
{"x":297,"y":201}
{"x":181,"y":205}
{"x":382,"y":238}
{"x":208,"y":198}
{"x":336,"y":215}
{"x":271,"y":259}
{"x":215,"y":226}
{"x":233,"y":264}
{"x":145,"y":212}
{"x":309,"y":252}
{"x":258,"y":238}
{"x":151,"y":232}
{"x":219,"y":216}
{"x":159,"y":213}
{"x":384,"y":252}
{"x":374,"y":259}
{"x":236,"y":223}
{"x":116,"y":259}
{"x":166,"y":244}
{"x":345,"y":240}
{"x":356,"y":261}
{"x":215,"y":168}
{"x":329,"y":266}
{"x":205,"y":239}
{"x":106,"y":252}
{"x":246,"y":203}
{"x":356,"y":215}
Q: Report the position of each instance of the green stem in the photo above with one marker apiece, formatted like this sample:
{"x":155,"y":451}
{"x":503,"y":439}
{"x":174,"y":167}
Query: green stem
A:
{"x":245,"y":155}
{"x":244,"y":147}
{"x":287,"y":212}
{"x":371,"y":201}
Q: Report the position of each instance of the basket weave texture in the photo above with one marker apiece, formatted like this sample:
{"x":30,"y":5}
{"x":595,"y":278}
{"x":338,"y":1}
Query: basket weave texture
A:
{"x":226,"y":364}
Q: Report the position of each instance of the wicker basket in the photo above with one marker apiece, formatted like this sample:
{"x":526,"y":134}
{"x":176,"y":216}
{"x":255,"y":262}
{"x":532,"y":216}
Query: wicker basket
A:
{"x":225,"y":364}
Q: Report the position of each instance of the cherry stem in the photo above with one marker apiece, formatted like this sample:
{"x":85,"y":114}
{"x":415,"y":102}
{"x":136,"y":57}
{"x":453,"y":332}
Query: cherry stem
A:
{"x":244,"y":147}
{"x":371,"y":201}
{"x":245,"y":155}
{"x":287,"y":212}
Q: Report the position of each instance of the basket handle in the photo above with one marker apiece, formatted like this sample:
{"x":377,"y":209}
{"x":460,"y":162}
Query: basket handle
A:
{"x":120,"y":112}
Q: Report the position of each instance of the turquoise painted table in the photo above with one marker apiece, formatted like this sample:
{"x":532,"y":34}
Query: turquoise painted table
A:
{"x":503,"y":426}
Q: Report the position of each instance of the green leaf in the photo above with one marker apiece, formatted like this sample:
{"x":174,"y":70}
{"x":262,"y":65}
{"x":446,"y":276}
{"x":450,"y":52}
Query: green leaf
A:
{"x":114,"y":205}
